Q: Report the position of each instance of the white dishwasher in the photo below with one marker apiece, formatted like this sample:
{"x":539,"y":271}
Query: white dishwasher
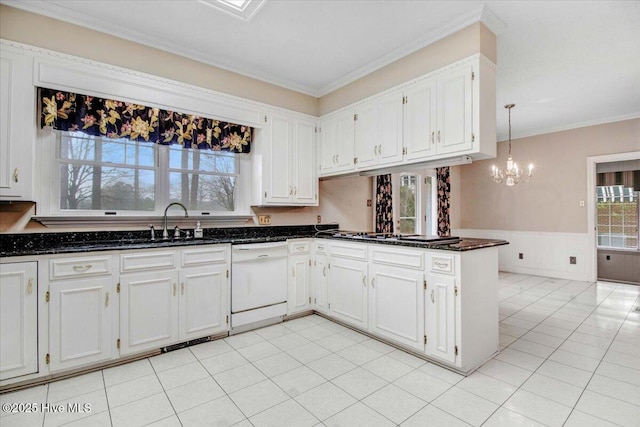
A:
{"x":258,"y":283}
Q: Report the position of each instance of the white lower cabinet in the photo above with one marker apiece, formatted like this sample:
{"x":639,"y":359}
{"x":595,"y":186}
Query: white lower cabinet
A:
{"x":80,"y":322}
{"x":18,"y":319}
{"x":185,"y":298}
{"x":348,"y":284}
{"x":204,"y":305}
{"x":440,"y":319}
{"x":320,"y":277}
{"x":299,"y":277}
{"x":149,"y":310}
{"x":83,"y":306}
{"x":396,"y":305}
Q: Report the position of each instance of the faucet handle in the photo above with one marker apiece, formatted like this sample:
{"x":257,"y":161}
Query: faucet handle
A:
{"x":153,"y":232}
{"x":176,"y":232}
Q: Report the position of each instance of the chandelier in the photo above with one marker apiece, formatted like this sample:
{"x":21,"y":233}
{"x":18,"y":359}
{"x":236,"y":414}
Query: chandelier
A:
{"x":513,"y":174}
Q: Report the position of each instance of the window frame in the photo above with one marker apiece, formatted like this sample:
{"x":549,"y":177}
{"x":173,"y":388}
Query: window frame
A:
{"x":423,"y":193}
{"x":48,"y":161}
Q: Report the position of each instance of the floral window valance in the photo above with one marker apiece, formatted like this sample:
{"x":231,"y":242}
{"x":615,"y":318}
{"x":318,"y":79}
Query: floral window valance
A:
{"x":117,"y":119}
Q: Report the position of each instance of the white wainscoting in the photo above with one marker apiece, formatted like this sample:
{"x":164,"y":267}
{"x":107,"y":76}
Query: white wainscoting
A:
{"x":544,"y":253}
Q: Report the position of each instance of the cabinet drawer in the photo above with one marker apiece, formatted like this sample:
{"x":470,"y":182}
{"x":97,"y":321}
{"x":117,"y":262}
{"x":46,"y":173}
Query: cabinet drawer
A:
{"x":147,"y":261}
{"x":400,"y":258}
{"x":443,"y":264}
{"x":346,"y":250}
{"x":217,"y":255}
{"x":321,"y":247}
{"x":64,"y":268}
{"x":298,"y":247}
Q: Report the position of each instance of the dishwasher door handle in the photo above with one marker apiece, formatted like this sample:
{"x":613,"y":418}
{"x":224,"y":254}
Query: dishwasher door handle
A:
{"x":263,"y":256}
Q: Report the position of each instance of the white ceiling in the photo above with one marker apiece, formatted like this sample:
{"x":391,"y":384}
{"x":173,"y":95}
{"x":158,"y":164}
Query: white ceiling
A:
{"x":564,"y":64}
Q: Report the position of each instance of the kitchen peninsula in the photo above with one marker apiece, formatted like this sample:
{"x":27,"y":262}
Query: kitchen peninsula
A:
{"x":436,"y":300}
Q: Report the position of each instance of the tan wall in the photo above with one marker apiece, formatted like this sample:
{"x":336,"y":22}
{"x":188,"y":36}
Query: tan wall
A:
{"x":550,"y":200}
{"x":48,"y":33}
{"x":466,"y":42}
{"x":342,"y":200}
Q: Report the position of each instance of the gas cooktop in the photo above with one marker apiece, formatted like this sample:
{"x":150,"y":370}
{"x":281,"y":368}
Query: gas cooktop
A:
{"x":418,"y":238}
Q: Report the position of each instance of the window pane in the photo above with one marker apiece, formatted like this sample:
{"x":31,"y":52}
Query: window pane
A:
{"x":407,"y":204}
{"x":127,"y":152}
{"x":617,"y":217}
{"x":106,"y":188}
{"x":203,"y":192}
{"x":77,"y":148}
{"x":202,"y":160}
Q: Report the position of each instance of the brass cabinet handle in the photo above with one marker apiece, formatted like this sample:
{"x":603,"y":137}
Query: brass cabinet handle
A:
{"x":380,"y":149}
{"x":375,"y":150}
{"x":293,"y":272}
{"x":15,"y":175}
{"x":324,"y":271}
{"x":182,"y":288}
{"x":438,"y":136}
{"x":373,"y":282}
{"x":433,"y":300}
{"x":295,"y":191}
{"x":441,"y":264}
{"x":433,"y":137}
{"x":364,"y":281}
{"x":290,"y":190}
{"x":106,"y":299}
{"x":82,"y":268}
{"x":174,"y":289}
{"x":30,"y":286}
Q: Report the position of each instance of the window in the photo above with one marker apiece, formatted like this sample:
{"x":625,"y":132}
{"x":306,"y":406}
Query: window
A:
{"x":414,"y":202}
{"x":618,"y":213}
{"x":103,"y":174}
{"x":407,"y":200}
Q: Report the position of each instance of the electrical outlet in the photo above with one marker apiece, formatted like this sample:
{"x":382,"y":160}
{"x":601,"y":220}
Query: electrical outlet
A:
{"x":264,"y":219}
{"x":520,"y":255}
{"x":572,"y":260}
{"x":369,"y":203}
{"x":319,"y":219}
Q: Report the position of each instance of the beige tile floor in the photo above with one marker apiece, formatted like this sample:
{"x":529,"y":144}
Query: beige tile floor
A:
{"x":570,"y":357}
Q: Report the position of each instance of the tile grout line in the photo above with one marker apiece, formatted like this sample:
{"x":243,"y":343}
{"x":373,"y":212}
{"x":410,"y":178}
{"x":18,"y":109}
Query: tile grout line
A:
{"x":600,"y":362}
{"x":547,"y":358}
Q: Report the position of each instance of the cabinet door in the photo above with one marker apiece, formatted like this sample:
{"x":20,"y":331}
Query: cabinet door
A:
{"x":440,"y":319}
{"x":203,"y":299}
{"x":17,"y":120}
{"x":390,"y":129}
{"x":278,"y":159}
{"x":420,"y":120}
{"x":305,"y":180}
{"x":396,"y":308}
{"x":367,"y":135}
{"x":80,"y":319}
{"x":298,"y":299}
{"x":320,"y":283}
{"x":348,"y":291}
{"x":454,"y":111}
{"x":344,"y":143}
{"x":18,"y":319}
{"x":148,"y":310}
{"x":327,"y":145}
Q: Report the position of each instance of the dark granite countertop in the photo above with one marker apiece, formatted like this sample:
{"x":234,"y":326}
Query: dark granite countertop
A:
{"x":29,"y":244}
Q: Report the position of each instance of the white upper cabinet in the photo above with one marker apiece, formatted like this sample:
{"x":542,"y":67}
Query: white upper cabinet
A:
{"x":337,"y":136}
{"x":454,"y":111}
{"x":446,"y":113}
{"x":284,"y":159}
{"x":378,"y":132}
{"x":17,"y":125}
{"x":420,"y":119}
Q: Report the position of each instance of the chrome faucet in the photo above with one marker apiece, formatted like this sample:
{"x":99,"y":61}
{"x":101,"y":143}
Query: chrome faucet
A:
{"x":165,"y":233}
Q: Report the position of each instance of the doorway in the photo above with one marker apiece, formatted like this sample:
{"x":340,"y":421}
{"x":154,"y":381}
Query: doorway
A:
{"x":614,"y":217}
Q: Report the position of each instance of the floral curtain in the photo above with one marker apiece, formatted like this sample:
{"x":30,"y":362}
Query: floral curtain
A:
{"x":444,"y":192}
{"x":384,"y":206}
{"x":117,"y":119}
